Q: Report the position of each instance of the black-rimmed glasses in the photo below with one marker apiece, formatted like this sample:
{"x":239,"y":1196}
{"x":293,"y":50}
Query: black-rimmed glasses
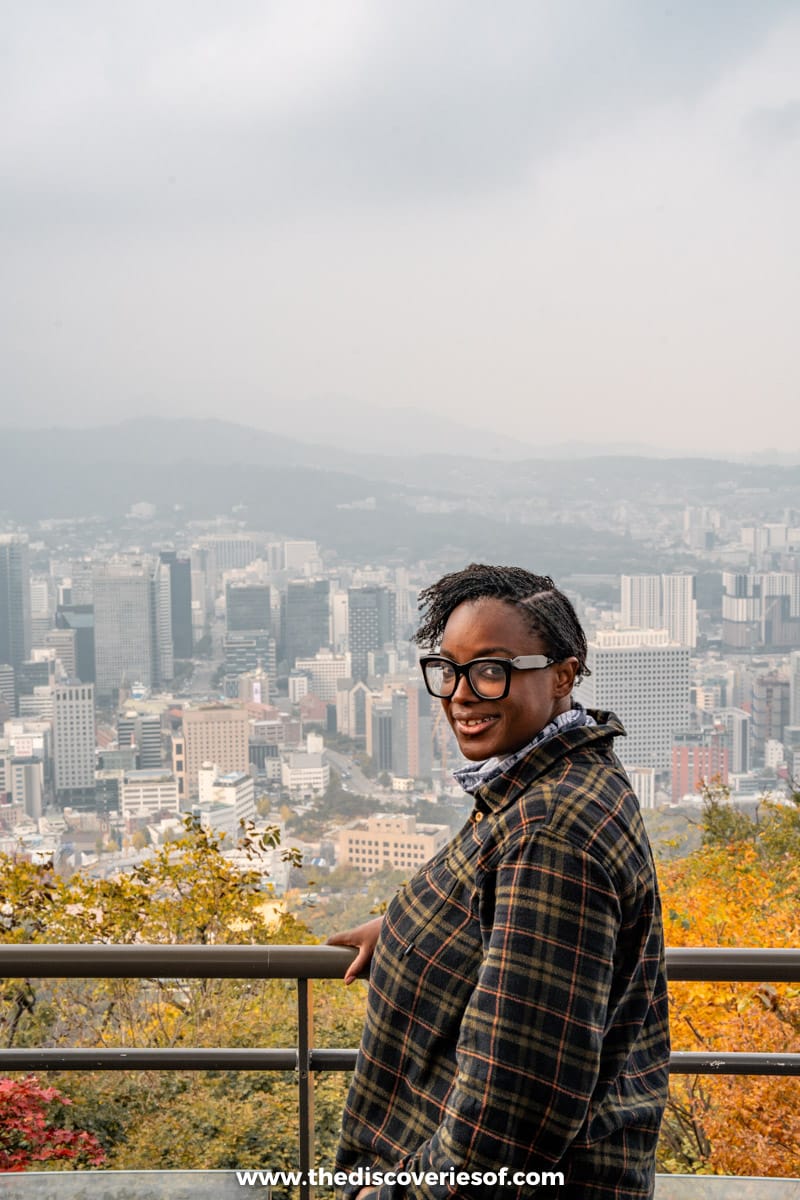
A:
{"x":489,"y":678}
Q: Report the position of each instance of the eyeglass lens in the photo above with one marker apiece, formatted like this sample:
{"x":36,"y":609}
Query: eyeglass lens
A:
{"x":487,"y":679}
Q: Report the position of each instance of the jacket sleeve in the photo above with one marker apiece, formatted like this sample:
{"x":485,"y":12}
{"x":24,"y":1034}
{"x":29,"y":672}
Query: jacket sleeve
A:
{"x":530,"y":1044}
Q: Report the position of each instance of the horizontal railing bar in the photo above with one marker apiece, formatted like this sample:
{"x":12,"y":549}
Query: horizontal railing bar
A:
{"x":204,"y":1058}
{"x":323,"y":1059}
{"x":731,"y":964}
{"x":241,"y":1059}
{"x":97,"y":961}
{"x":101,"y":961}
{"x":690,"y":1063}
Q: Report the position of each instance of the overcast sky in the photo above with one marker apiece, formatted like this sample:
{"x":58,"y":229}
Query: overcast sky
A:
{"x":572,"y":219}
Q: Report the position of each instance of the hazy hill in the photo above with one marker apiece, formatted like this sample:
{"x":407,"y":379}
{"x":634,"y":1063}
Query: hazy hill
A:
{"x":204,"y":468}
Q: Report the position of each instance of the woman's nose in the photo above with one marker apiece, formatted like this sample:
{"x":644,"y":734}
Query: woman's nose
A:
{"x":463,"y":689}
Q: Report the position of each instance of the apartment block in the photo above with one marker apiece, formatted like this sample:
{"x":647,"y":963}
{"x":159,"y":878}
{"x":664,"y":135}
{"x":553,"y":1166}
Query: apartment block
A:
{"x":214,"y":733}
{"x":394,"y":840}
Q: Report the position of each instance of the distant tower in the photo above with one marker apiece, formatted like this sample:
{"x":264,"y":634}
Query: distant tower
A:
{"x":248,"y":607}
{"x":133,"y":623}
{"x":180,"y":581}
{"x":371,"y":624}
{"x":80,"y":619}
{"x":640,"y":597}
{"x":15,"y":600}
{"x":307,"y":626}
{"x":679,"y":605}
{"x":643,"y":677}
{"x":660,"y":602}
{"x":74,"y":743}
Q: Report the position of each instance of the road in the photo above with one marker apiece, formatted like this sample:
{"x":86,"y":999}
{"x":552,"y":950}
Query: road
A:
{"x":358,"y":781}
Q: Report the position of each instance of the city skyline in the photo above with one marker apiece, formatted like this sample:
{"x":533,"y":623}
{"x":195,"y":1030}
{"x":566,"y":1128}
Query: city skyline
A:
{"x":571,"y":223}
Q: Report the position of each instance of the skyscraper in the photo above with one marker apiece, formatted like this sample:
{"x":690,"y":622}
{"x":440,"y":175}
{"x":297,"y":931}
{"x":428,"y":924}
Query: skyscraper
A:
{"x":371,"y":624}
{"x":74,"y":743}
{"x":133,"y":624}
{"x":640,"y":597}
{"x":216,"y":734}
{"x":661,"y":602}
{"x":643,"y":677}
{"x":679,"y":608}
{"x":141,"y":732}
{"x":307,"y":624}
{"x":248,"y":607}
{"x":770,"y":712}
{"x":80,"y":619}
{"x":180,"y":585}
{"x":761,"y":610}
{"x":15,"y":600}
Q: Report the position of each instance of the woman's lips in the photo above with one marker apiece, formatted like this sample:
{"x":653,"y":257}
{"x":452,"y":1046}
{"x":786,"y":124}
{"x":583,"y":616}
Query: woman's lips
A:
{"x":470,"y":727}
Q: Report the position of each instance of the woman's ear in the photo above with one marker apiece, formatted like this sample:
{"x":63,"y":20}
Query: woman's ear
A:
{"x":565,"y":672}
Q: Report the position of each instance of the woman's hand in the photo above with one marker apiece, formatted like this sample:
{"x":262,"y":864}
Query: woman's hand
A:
{"x":363,"y":937}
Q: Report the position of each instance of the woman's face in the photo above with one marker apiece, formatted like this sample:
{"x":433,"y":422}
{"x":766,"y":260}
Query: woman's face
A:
{"x":493,"y":628}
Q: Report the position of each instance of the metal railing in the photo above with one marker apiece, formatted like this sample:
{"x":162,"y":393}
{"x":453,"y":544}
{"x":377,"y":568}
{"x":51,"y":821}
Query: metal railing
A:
{"x":304,"y":964}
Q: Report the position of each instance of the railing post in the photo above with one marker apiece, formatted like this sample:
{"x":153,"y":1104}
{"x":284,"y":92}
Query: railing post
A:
{"x":305,"y":1038}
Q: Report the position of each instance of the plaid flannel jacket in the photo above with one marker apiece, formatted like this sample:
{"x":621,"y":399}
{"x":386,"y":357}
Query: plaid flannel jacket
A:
{"x":517,"y":1010}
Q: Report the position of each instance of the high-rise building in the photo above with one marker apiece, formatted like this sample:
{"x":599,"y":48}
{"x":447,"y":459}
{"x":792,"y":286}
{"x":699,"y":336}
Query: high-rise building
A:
{"x":34,"y":674}
{"x":643,"y":677}
{"x":227,"y":552}
{"x":420,"y":732}
{"x":661,"y":602}
{"x":412,"y":732}
{"x":141,"y":732}
{"x":8,"y":688}
{"x":74,"y":743}
{"x":42,"y":607}
{"x":352,"y":703}
{"x":735,"y":723}
{"x":217,"y":734}
{"x":640,"y":598}
{"x":80,"y":619}
{"x":399,"y":739}
{"x":307,"y":618}
{"x":245,"y":653}
{"x":770,"y":711}
{"x":679,"y":608}
{"x":761,"y":610}
{"x":379,"y":742}
{"x":248,"y":607}
{"x":15,"y":600}
{"x":794,"y":688}
{"x":180,"y":588}
{"x":371,"y":624}
{"x":133,"y":624}
{"x":65,"y":644}
{"x":25,"y":782}
{"x":161,"y":601}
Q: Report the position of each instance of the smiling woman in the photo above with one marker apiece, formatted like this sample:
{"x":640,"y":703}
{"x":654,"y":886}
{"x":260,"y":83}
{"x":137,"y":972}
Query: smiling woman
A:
{"x":517,"y":1012}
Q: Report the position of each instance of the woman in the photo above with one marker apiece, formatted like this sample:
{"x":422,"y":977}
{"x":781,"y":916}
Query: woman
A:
{"x":516,"y":1031}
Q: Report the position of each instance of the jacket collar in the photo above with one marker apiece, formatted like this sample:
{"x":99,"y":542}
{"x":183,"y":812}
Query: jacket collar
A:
{"x":505,"y":788}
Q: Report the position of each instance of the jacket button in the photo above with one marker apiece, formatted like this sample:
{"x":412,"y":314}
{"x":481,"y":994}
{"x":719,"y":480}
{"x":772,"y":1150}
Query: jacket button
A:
{"x":478,"y":816}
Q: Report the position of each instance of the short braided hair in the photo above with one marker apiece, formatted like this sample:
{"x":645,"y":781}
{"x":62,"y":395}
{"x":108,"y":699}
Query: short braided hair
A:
{"x":548,"y":611}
